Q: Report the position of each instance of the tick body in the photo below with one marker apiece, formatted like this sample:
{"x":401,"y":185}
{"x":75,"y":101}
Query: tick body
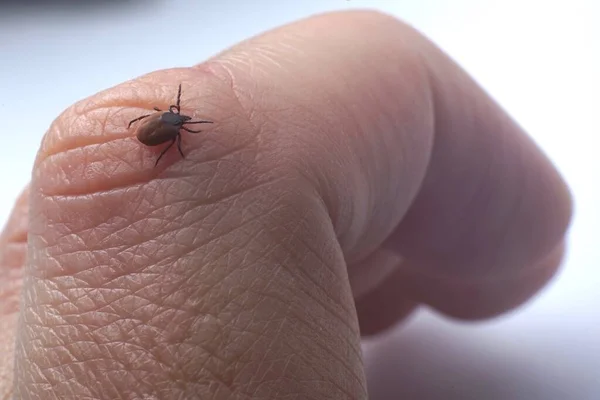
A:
{"x":165,"y":126}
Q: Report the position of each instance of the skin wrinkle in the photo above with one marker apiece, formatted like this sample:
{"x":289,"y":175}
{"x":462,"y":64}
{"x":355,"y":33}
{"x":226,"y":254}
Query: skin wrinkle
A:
{"x":269,"y":339}
{"x":194,"y":248}
{"x":250,"y":100}
{"x":125,"y":109}
{"x":136,"y":92}
{"x":214,"y":67}
{"x":58,"y":143}
{"x":200,"y":203}
{"x":81,"y":141}
{"x":65,"y":347}
{"x":135,"y":182}
{"x":146,"y":218}
{"x":404,"y":192}
{"x":224,"y":64}
{"x":230,"y":380}
{"x":94,"y":176}
{"x":326,"y":293}
{"x":249,"y":347}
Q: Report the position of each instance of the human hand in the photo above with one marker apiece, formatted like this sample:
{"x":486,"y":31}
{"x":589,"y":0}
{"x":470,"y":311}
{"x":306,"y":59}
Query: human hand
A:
{"x":349,"y":161}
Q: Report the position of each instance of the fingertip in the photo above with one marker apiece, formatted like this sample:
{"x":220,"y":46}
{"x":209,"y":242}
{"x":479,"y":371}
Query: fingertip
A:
{"x":483,"y":298}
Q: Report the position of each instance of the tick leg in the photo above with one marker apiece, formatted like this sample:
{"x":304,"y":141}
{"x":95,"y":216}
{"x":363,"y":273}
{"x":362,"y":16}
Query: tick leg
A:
{"x":163,"y":152}
{"x":179,"y":96}
{"x":157,"y":109}
{"x":179,"y":146}
{"x":198,"y":122}
{"x":137,"y":119}
{"x":189,"y":130}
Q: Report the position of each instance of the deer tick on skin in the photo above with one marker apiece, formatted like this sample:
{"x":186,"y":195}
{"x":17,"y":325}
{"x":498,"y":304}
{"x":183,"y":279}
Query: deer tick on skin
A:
{"x":164,"y":126}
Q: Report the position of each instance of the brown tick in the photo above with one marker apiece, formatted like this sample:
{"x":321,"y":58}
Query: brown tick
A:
{"x":164,"y":126}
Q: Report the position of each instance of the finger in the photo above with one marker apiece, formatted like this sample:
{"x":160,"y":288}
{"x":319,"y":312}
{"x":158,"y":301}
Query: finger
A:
{"x":480,"y":298}
{"x":402,"y":290}
{"x":13,"y":246}
{"x":485,"y":233}
{"x":492,"y":204}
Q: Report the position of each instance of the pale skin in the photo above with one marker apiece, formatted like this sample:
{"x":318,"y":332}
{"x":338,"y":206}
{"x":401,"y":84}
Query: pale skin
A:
{"x":353,"y":172}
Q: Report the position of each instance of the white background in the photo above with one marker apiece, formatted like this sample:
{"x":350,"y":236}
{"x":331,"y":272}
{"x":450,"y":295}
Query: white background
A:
{"x":538,"y":58}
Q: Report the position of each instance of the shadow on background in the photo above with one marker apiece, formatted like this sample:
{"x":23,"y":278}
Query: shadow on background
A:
{"x":421,"y":364}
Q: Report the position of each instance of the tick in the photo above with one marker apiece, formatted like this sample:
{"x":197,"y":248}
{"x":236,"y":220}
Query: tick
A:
{"x":163,"y":126}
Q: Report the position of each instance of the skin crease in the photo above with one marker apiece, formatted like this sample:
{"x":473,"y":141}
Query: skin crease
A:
{"x":352,"y":173}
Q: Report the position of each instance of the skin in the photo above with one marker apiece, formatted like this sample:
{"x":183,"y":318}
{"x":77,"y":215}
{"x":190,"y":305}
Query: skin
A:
{"x":353,"y":173}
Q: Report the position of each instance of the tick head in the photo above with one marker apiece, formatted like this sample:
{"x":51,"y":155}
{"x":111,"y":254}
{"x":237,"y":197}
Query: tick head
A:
{"x":170,"y":118}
